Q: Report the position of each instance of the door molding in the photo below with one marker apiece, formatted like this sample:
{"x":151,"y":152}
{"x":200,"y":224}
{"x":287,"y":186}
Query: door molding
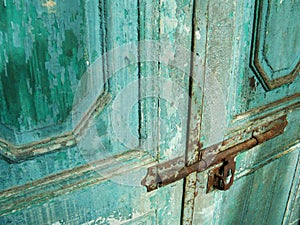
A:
{"x":64,"y":182}
{"x":16,"y":154}
{"x":269,"y":76}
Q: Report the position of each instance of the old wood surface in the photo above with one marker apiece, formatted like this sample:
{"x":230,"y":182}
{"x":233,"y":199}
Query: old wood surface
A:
{"x":92,"y":93}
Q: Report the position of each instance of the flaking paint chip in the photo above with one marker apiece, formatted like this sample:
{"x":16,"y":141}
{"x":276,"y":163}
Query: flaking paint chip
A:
{"x":49,"y":4}
{"x":198,"y":35}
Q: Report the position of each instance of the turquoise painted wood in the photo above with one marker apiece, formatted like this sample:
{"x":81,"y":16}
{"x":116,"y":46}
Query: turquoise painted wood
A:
{"x":92,"y":93}
{"x":45,"y":49}
{"x":247,"y":50}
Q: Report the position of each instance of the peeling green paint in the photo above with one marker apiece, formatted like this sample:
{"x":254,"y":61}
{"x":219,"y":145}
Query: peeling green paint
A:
{"x":46,"y":46}
{"x":43,"y":55}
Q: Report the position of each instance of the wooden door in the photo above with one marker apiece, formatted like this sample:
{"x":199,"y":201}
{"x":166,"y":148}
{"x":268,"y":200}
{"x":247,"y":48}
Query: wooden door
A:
{"x":252,"y":50}
{"x":96,"y":95}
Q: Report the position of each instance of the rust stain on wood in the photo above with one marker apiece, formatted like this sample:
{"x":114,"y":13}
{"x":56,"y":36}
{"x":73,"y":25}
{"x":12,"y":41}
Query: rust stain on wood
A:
{"x":252,"y":83}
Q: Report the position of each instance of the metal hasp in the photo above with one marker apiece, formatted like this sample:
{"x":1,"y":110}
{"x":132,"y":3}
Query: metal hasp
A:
{"x":222,"y":177}
{"x":223,"y":160}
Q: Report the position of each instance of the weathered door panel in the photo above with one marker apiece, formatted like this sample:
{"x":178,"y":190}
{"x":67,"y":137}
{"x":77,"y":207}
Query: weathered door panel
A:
{"x":92,"y":93}
{"x":247,"y":42}
{"x":43,"y":57}
{"x":106,"y":203}
{"x":116,"y":116}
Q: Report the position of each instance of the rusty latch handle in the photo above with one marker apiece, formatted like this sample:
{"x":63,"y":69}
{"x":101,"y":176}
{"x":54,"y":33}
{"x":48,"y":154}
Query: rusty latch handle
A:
{"x":174,"y":170}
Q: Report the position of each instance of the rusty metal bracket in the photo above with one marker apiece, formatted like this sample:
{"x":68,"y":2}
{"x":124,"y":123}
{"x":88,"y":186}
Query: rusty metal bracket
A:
{"x":222,"y":176}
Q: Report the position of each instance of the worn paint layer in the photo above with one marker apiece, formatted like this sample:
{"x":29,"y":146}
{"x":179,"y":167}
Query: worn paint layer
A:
{"x":45,"y":47}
